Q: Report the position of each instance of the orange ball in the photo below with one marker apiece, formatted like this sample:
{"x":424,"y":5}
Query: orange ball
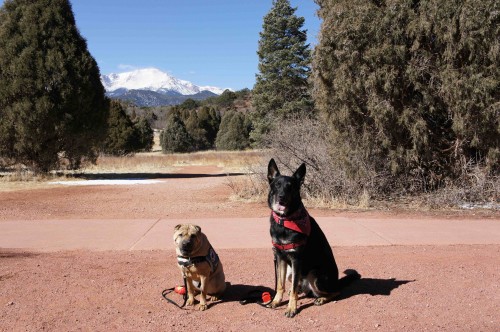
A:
{"x":180,"y":290}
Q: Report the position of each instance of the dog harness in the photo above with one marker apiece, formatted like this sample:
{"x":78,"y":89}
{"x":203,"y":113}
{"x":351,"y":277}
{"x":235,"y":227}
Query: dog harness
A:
{"x":212,"y":258}
{"x":298,"y":222}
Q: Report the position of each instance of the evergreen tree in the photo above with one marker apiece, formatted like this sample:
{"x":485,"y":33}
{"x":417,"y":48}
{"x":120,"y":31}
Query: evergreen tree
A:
{"x":234,"y":132}
{"x":189,"y":104}
{"x":122,"y":137}
{"x":226,"y":99}
{"x":410,"y":87}
{"x":175,"y":137}
{"x":209,"y":119}
{"x":144,"y":134}
{"x":281,"y":87}
{"x":52,"y":102}
{"x":194,"y":129}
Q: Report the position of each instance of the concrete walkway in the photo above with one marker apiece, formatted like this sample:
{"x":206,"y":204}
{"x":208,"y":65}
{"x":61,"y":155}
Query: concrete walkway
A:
{"x":148,"y":234}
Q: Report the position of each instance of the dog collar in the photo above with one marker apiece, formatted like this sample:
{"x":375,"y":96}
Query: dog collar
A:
{"x":289,"y":246}
{"x":212,"y":258}
{"x":298,"y":221}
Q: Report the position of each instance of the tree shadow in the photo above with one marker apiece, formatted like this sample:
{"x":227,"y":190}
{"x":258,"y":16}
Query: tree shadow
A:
{"x":13,"y":253}
{"x":146,"y":176}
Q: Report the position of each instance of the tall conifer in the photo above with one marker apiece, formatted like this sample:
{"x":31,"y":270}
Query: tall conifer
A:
{"x":281,"y":87}
{"x":52,"y":102}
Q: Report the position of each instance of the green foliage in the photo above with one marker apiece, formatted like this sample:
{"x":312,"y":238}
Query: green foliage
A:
{"x":189,"y":104}
{"x":281,"y":87}
{"x":410,"y":88}
{"x":209,"y":121}
{"x":175,"y":137}
{"x":197,"y":133}
{"x":203,"y":125}
{"x":144,"y":134}
{"x":121,"y":136}
{"x":226,"y":99}
{"x":124,"y":136}
{"x":52,"y":104}
{"x":234,"y":132}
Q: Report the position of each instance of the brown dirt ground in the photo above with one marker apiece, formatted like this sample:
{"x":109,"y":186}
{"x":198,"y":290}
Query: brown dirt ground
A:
{"x":404,"y":288}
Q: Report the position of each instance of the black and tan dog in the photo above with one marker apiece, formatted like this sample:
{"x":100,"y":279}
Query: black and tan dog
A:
{"x":300,"y":244}
{"x":199,"y":263}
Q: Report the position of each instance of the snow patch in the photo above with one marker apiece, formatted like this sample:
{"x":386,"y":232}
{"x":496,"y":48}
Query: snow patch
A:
{"x":487,"y":206}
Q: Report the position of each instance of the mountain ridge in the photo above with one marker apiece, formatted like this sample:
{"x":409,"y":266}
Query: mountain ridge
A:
{"x":153,"y":79}
{"x":153,"y":87}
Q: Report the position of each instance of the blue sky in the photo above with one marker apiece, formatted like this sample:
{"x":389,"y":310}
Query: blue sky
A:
{"x":207,"y":42}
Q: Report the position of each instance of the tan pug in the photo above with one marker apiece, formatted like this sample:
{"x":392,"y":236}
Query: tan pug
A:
{"x":199,"y":264}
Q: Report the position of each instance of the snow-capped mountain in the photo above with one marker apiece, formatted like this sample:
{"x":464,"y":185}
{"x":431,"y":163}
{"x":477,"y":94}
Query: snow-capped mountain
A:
{"x":152,"y":79}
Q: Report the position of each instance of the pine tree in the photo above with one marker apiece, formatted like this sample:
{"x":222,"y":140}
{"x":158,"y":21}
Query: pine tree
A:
{"x":145,"y":135}
{"x":281,"y":87}
{"x":52,"y":102}
{"x":175,"y":137}
{"x":209,"y":121}
{"x":121,"y":137}
{"x":194,"y":129}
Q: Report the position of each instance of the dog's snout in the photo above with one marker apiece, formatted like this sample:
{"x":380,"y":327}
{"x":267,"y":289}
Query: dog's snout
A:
{"x":187,"y":245}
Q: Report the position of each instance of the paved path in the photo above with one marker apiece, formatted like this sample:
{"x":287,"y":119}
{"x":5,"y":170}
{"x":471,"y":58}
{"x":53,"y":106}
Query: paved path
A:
{"x":148,"y":234}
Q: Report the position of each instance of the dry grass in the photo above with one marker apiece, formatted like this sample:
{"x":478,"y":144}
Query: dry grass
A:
{"x":157,"y":162}
{"x":252,"y":187}
{"x":22,"y":179}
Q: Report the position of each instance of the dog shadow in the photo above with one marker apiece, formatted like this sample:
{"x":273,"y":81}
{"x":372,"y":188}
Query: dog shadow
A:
{"x":371,"y":286}
{"x":244,"y":294}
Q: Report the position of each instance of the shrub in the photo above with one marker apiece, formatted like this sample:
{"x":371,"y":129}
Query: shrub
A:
{"x":175,"y":137}
{"x":233,"y":132}
{"x":410,"y":88}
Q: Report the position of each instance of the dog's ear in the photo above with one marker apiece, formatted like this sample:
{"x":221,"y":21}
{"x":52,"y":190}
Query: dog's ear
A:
{"x":176,"y":228}
{"x":197,"y":228}
{"x":300,"y":173}
{"x":272,"y":170}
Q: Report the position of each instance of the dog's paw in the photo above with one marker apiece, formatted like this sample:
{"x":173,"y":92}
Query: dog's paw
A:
{"x":274,"y":304}
{"x":320,"y":301}
{"x":213,"y":298}
{"x":203,"y":307}
{"x":290,"y":313}
{"x":190,"y":301}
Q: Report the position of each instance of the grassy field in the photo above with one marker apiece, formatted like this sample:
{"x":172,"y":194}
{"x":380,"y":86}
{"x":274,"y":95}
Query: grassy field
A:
{"x":157,"y":162}
{"x":151,"y":162}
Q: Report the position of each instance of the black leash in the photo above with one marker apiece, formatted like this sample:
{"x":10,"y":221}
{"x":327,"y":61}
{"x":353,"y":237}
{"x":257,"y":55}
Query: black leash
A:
{"x":258,"y":298}
{"x":169,"y":290}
